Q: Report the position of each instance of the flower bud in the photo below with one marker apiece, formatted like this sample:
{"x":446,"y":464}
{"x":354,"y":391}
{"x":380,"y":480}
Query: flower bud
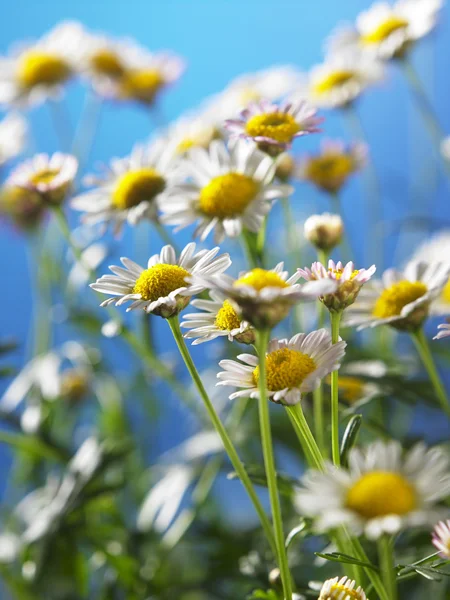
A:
{"x":324,"y":231}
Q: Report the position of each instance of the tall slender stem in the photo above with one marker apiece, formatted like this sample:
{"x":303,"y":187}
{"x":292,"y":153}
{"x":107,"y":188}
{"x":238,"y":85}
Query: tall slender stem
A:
{"x":249,"y":244}
{"x":421,"y":343}
{"x":318,"y":399}
{"x":304,"y":433}
{"x":335,"y":322}
{"x":228,"y":444}
{"x":386,"y":561}
{"x":86,"y":129}
{"x":165,"y":235}
{"x":269,"y":463}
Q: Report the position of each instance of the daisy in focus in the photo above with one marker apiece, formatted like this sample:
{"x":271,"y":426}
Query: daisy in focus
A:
{"x":389,"y":30}
{"x":293,"y":367}
{"x":349,"y":282}
{"x":341,"y":589}
{"x":265,"y":297}
{"x":13,"y":137}
{"x":51,"y":177}
{"x":324,"y":231}
{"x":131,"y":189}
{"x":274,"y":126}
{"x":219,"y":318}
{"x":382,"y":491}
{"x":330,"y":169}
{"x":400,"y":299}
{"x":229,"y":188}
{"x":441,"y":538}
{"x":40,"y":71}
{"x":162,"y":288}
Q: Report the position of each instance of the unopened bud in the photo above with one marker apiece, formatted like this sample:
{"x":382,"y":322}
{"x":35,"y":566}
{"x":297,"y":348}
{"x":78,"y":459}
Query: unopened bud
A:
{"x":324,"y":231}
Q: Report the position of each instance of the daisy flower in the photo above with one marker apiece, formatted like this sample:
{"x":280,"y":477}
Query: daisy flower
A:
{"x":23,"y":207}
{"x":39,"y":71}
{"x":230,"y":188}
{"x":348,"y":282}
{"x":441,"y":538}
{"x":382,"y":491}
{"x":13,"y":136}
{"x":218,"y":319}
{"x":195,"y":129}
{"x":400,"y":299}
{"x":324,"y":231}
{"x":293,"y":367}
{"x":49,"y":176}
{"x":444,"y":331}
{"x":341,"y":589}
{"x":333,"y":165}
{"x":163,"y":287}
{"x":274,"y":126}
{"x":388,"y":30}
{"x":132,"y":189}
{"x":353,"y":390}
{"x":264,"y":297}
{"x":341,"y":79}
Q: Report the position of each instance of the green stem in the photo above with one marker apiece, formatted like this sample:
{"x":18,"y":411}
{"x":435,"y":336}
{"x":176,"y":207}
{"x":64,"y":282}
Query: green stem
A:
{"x":42,"y":287}
{"x":304,"y":433}
{"x":261,"y":241}
{"x":423,"y":349}
{"x":269,"y":463}
{"x":318,"y":399}
{"x":249,"y":243}
{"x":228,"y":444}
{"x":335,"y":443}
{"x":165,"y":236}
{"x":386,"y":562}
{"x":347,"y":252}
{"x":87,"y":129}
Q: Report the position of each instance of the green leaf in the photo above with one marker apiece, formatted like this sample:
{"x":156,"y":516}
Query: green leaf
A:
{"x":350,"y":437}
{"x":262,"y":595}
{"x":32,"y":444}
{"x":346,"y":559}
{"x":300,"y":529}
{"x":257,"y":474}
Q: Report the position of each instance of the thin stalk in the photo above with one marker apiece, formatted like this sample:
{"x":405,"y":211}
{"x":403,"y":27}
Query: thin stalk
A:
{"x":250,"y":248}
{"x":228,"y":444}
{"x":261,"y":241}
{"x":423,"y":349}
{"x":269,"y":463}
{"x":42,"y":329}
{"x":304,"y":433}
{"x":86,"y":129}
{"x":165,"y":235}
{"x":347,"y":252}
{"x":386,"y":562}
{"x":335,"y":443}
{"x":318,"y":399}
{"x":61,"y":123}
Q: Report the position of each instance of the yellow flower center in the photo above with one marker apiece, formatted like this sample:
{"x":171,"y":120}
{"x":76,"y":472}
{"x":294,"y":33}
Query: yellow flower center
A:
{"x":248,"y":95}
{"x":278,"y":126}
{"x":331,"y":81}
{"x":227,"y":195}
{"x":352,"y":388}
{"x":285,"y":368}
{"x":159,"y":281}
{"x":381,"y":493}
{"x":338,"y":273}
{"x":328,"y":169}
{"x":106,"y":62}
{"x":74,"y":385}
{"x":227,"y":318}
{"x":384,"y":30}
{"x":395,"y":297}
{"x":42,"y":68}
{"x":137,"y":186}
{"x":142,"y":84}
{"x":445,"y":295}
{"x":260,"y":278}
{"x":44,"y":176}
{"x":336,"y":592}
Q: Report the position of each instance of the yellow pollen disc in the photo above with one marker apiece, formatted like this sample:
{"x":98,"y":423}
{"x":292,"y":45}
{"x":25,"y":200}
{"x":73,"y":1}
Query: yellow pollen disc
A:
{"x":278,"y":126}
{"x":142,"y":84}
{"x":44,"y":176}
{"x":106,"y":62}
{"x":338,"y":273}
{"x":186,"y":144}
{"x":159,"y":281}
{"x":352,"y":388}
{"x":381,"y":493}
{"x":331,"y":81}
{"x":446,"y":293}
{"x":395,"y":297}
{"x":285,"y":368}
{"x":384,"y":30}
{"x":137,"y":186}
{"x":336,"y":592}
{"x":327,"y":169}
{"x":227,"y":195}
{"x":260,"y":278}
{"x":74,"y":385}
{"x":227,"y":318}
{"x":41,"y":68}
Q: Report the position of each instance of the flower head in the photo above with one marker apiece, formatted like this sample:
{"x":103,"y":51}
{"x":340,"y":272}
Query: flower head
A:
{"x":41,"y":70}
{"x":324,"y":231}
{"x":441,"y":538}
{"x":348,"y":282}
{"x":400,"y":299}
{"x":13,"y":134}
{"x":22,"y":206}
{"x":341,"y":589}
{"x":274,"y":126}
{"x":218,"y":319}
{"x":49,"y":176}
{"x":330,"y":169}
{"x":229,"y":188}
{"x":264,"y":297}
{"x":293,"y":367}
{"x":382,"y":491}
{"x":132,"y":189}
{"x":162,"y":288}
{"x":387,"y":30}
{"x":192,"y":130}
